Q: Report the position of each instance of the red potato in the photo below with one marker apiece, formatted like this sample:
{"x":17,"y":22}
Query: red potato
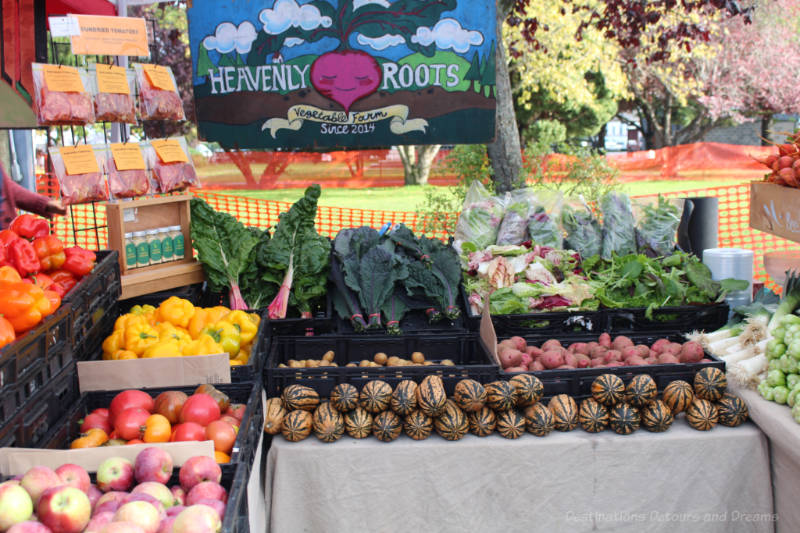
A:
{"x":643,"y":349}
{"x":635,"y":361}
{"x":533,"y":351}
{"x":691,"y":352}
{"x":579,"y":347}
{"x":674,"y":348}
{"x":552,"y":359}
{"x":552,"y":344}
{"x":598,"y":352}
{"x":620,"y":342}
{"x":631,"y":351}
{"x":604,"y":340}
{"x":505,"y":345}
{"x":536,"y":366}
{"x":516,"y":369}
{"x":667,"y":359}
{"x":660,"y":346}
{"x":584,"y":363}
{"x":705,"y":360}
{"x":570,"y":360}
{"x":566,"y":367}
{"x":615,"y":363}
{"x":510,"y":357}
{"x":582,"y":357}
{"x":518,"y":342}
{"x":597,"y":363}
{"x":526,"y":360}
{"x":612,"y":355}
{"x":590,"y":345}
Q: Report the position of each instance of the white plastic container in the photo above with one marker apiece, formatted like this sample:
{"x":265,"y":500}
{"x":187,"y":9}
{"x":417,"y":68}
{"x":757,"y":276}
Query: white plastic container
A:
{"x":736,"y":263}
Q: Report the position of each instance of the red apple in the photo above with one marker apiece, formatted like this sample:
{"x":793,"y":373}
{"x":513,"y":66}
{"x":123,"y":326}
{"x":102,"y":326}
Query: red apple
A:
{"x":29,"y":526}
{"x":197,"y":519}
{"x":198,"y":469}
{"x":174,"y":511}
{"x":159,"y":491}
{"x":166,"y":525}
{"x":37,"y":480}
{"x":74,"y":476}
{"x":217,"y":505}
{"x":206,"y":490}
{"x":144,"y":514}
{"x":142,"y":497}
{"x":179,"y":493}
{"x":94,"y":494}
{"x":122,"y":527}
{"x":64,"y":509}
{"x":153,"y":464}
{"x":110,"y":501}
{"x":16,"y":505}
{"x":236,"y":410}
{"x":98,"y":521}
{"x":115,"y":473}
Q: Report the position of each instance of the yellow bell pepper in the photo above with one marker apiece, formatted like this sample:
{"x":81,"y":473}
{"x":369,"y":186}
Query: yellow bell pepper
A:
{"x":204,"y":317}
{"x":123,"y":320}
{"x":247,"y":328}
{"x":163,"y":348}
{"x":227,"y":335}
{"x":244,"y":355}
{"x":255,"y":317}
{"x":139,"y":337}
{"x":176,"y":311}
{"x":203,"y":345}
{"x":114,"y":342}
{"x":121,"y":355}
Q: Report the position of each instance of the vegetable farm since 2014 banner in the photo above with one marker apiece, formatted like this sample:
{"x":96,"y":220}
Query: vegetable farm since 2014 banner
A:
{"x":343,"y":73}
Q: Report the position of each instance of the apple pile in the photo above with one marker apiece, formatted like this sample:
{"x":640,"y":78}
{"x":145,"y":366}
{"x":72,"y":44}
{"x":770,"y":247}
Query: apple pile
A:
{"x":127,"y":498}
{"x":516,"y":356}
{"x":135,"y":417}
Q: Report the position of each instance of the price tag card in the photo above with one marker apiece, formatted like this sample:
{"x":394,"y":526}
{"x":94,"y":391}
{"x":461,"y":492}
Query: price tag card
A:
{"x":169,"y":151}
{"x":160,"y":77}
{"x":127,"y":156}
{"x":79,"y":159}
{"x":112,"y":79}
{"x":62,"y":79}
{"x":64,"y":26}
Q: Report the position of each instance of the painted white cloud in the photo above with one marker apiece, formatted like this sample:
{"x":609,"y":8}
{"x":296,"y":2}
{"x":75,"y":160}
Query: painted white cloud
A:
{"x":287,"y":14}
{"x":228,"y":37}
{"x":292,"y":41}
{"x":359,"y":3}
{"x":382,"y":42}
{"x":448,"y":33}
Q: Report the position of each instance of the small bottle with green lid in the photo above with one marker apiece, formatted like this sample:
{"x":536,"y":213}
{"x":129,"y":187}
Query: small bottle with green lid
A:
{"x":178,"y":242}
{"x":130,"y":251}
{"x":142,"y":248}
{"x":154,"y":242}
{"x":167,"y":246}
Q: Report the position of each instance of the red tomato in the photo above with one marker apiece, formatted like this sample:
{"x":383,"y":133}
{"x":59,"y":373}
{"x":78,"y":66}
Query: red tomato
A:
{"x":127,"y":399}
{"x":169,"y":404}
{"x":222,"y":434}
{"x":188,"y":431}
{"x":96,"y":420}
{"x":129,"y":423}
{"x":135,"y":441}
{"x":102,"y":411}
{"x":235,"y":410}
{"x":234,"y":422}
{"x":200,"y":408}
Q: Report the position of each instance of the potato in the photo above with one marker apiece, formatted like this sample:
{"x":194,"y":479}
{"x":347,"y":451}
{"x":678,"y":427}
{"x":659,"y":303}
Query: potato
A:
{"x":364,"y":362}
{"x":518,"y":342}
{"x":635,"y":361}
{"x":667,"y":358}
{"x":598,"y":352}
{"x":427,"y":363}
{"x":325,"y":362}
{"x":516,"y":369}
{"x":510,"y":357}
{"x":579,"y":347}
{"x":583,"y":363}
{"x":393,"y":361}
{"x":643,"y":350}
{"x":418,"y":357}
{"x":582,"y":357}
{"x":674,"y":348}
{"x":526,"y":360}
{"x":631,"y":351}
{"x":351,"y":364}
{"x":281,"y":365}
{"x":604,"y":340}
{"x":296,"y":364}
{"x":590,"y":346}
{"x":569,"y":360}
{"x":552,"y":344}
{"x":620,"y":342}
{"x":312,"y":363}
{"x":447,"y":362}
{"x":507,"y":342}
{"x":596,"y":363}
{"x":380,"y":358}
{"x":660,"y":346}
{"x":691,"y":352}
{"x":536,"y":366}
{"x":328,"y":356}
{"x":533,"y":351}
{"x":552,"y":359}
{"x":612,"y":355}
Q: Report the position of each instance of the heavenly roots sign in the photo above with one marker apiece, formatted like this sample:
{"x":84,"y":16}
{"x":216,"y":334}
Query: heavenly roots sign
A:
{"x":343,"y":73}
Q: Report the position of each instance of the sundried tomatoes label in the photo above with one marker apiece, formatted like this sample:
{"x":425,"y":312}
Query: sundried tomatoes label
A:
{"x":169,"y":151}
{"x":127,"y":156}
{"x":62,"y":79}
{"x":79,"y":159}
{"x":112,"y":79}
{"x":159,"y":77}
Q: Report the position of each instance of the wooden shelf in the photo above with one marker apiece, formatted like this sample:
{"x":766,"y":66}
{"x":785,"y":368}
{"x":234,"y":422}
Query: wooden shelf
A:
{"x":161,"y":277}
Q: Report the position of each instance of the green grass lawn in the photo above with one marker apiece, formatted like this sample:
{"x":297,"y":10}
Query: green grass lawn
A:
{"x":410,"y":198}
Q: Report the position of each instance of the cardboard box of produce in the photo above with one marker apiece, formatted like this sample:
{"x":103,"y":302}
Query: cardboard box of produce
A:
{"x":774,"y":209}
{"x":153,"y":373}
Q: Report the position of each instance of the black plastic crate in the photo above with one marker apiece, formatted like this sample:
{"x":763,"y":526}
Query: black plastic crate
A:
{"x":249,"y":394}
{"x":667,"y":319}
{"x":193,"y":293}
{"x":92,"y":299}
{"x":462,"y":349}
{"x":322,"y":321}
{"x":577,"y":382}
{"x":414,"y":322}
{"x":44,"y":405}
{"x":33,"y":359}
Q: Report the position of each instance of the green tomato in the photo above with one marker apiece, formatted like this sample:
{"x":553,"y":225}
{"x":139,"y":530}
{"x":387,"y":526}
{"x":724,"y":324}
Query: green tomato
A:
{"x":769,"y":394}
{"x":774,"y":364}
{"x":793,"y":349}
{"x":781,"y":394}
{"x":783,"y":364}
{"x":793,"y":396}
{"x":776,"y":378}
{"x":763,"y":388}
{"x":779,"y":333}
{"x":792,"y":380}
{"x":790,"y":319}
{"x":796,"y":412}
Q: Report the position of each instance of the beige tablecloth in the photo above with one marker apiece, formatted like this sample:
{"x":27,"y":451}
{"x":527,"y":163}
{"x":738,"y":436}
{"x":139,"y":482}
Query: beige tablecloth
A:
{"x":784,"y":438}
{"x":682,"y":480}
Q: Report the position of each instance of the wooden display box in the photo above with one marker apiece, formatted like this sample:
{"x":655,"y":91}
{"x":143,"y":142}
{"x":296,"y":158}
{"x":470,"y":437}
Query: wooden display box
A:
{"x":775,"y":209}
{"x":146,"y":214}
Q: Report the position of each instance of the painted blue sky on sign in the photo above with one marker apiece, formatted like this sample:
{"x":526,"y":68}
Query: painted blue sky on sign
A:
{"x":231,"y":28}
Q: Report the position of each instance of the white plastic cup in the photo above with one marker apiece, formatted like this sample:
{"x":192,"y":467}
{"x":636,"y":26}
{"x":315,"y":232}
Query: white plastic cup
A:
{"x":736,"y":263}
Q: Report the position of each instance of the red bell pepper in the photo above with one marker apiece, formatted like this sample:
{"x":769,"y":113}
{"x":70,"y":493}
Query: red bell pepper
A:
{"x":63,"y":282}
{"x":79,"y":261}
{"x":50,"y":251}
{"x":7,"y":237}
{"x":30,"y":226}
{"x":23,"y":257}
{"x":40,"y":280}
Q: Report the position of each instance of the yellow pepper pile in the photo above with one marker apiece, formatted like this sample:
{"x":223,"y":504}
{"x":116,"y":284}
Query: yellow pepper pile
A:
{"x":177,"y":328}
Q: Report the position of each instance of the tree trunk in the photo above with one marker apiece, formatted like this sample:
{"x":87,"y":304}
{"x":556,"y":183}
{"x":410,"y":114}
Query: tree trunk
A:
{"x":240,"y":160}
{"x":601,"y":138}
{"x":766,"y":122}
{"x":505,"y":152}
{"x":417,"y":162}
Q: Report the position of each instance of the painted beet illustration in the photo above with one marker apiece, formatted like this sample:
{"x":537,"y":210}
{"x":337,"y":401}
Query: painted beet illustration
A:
{"x":345,"y":76}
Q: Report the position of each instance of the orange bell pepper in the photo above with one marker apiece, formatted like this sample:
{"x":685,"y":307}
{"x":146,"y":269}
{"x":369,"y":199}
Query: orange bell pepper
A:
{"x":7,"y":335}
{"x":50,"y":251}
{"x":22,"y":304}
{"x":9,"y":273}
